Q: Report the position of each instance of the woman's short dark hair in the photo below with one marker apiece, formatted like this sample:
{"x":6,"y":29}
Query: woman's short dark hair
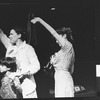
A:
{"x":22,"y":31}
{"x":67,"y":31}
{"x":9,"y":63}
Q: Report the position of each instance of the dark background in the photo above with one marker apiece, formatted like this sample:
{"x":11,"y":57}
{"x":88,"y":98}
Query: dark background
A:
{"x":79,"y":15}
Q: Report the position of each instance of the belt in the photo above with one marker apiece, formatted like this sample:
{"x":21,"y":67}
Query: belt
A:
{"x":23,"y":77}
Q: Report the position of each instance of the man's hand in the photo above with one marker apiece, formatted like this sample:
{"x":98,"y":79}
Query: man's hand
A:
{"x":12,"y":75}
{"x":16,"y":81}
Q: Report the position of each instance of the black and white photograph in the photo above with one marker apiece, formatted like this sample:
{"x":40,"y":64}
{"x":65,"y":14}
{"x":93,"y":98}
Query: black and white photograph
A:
{"x":47,"y":49}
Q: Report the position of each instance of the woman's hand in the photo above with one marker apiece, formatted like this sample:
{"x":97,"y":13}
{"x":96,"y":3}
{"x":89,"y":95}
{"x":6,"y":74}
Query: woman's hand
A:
{"x":36,"y":19}
{"x":52,"y":59}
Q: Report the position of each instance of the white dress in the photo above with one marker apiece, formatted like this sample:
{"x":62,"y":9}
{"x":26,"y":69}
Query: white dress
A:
{"x":64,"y":59}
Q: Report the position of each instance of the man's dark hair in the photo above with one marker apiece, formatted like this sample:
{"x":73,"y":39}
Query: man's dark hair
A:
{"x":9,"y":63}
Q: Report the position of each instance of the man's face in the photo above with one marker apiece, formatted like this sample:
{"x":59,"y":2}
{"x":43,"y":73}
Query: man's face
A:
{"x":3,"y":68}
{"x":13,"y":36}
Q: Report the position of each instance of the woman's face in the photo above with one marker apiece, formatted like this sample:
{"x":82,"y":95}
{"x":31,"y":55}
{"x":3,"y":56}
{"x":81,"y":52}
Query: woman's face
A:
{"x":3,"y":68}
{"x":14,"y":36}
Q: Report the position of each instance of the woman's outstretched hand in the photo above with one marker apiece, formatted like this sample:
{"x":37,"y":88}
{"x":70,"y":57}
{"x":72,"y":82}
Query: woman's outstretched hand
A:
{"x":36,"y":19}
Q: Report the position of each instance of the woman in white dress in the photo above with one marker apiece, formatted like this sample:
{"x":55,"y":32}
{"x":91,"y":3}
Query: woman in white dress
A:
{"x":63,"y":60}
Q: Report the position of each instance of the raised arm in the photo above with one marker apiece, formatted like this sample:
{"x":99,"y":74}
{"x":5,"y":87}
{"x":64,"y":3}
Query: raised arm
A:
{"x":4,"y":39}
{"x":50,"y":29}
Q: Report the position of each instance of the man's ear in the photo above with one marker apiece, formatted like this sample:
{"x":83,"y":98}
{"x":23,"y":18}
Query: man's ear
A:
{"x":19,"y":35}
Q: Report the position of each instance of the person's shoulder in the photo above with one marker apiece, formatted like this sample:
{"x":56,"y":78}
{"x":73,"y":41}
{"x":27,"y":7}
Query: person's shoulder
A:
{"x":68,"y":44}
{"x":28,"y":46}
